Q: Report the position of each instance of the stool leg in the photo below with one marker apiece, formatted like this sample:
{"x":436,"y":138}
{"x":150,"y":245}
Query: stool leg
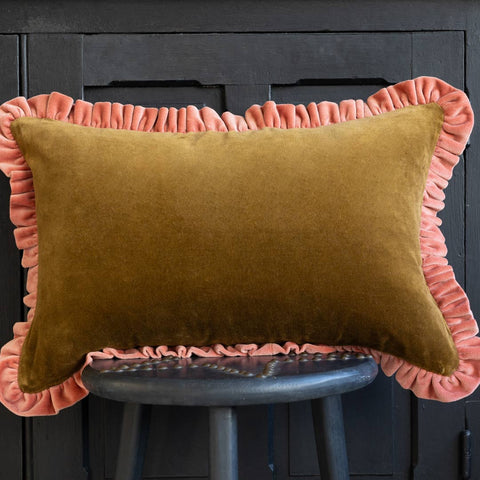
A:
{"x":133,"y":441}
{"x":223,"y":443}
{"x":330,"y":438}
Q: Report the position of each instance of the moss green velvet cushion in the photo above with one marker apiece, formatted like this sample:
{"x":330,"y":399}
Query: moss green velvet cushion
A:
{"x":231,"y":237}
{"x":148,"y":231}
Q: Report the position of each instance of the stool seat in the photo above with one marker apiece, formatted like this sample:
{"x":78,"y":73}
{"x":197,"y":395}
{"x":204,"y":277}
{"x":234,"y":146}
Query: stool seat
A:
{"x":223,"y":383}
{"x":229,"y":381}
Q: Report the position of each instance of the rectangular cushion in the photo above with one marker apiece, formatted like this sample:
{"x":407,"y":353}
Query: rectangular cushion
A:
{"x":236,"y":235}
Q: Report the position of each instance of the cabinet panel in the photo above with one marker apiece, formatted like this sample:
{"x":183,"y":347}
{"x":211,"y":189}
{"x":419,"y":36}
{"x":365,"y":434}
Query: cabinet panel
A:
{"x":318,"y":93}
{"x":166,"y":96}
{"x":55,"y":64}
{"x":245,"y":59}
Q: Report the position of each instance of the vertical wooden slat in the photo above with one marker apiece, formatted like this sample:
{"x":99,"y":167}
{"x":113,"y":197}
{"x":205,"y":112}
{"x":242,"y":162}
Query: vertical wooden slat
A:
{"x":10,"y":273}
{"x":253,"y":442}
{"x":239,"y":97}
{"x":441,"y":54}
{"x":472,"y":162}
{"x":472,"y":423}
{"x":54,"y":63}
{"x":58,"y":446}
{"x":472,"y":215}
{"x":27,"y":422}
{"x":446,"y":63}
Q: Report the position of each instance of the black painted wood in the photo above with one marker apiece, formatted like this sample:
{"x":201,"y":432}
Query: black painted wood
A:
{"x":440,"y":457}
{"x":472,"y":165}
{"x":175,"y":430}
{"x":245,"y":59}
{"x":10,"y":280}
{"x":55,"y":64}
{"x":330,"y":437}
{"x":472,"y":423}
{"x":239,"y":97}
{"x":11,"y":440}
{"x":133,"y":441}
{"x":369,"y":414}
{"x":305,"y":94}
{"x":56,"y":444}
{"x":223,"y":445}
{"x":256,"y":424}
{"x":176,"y":95}
{"x":228,"y":381}
{"x":225,"y":382}
{"x":448,"y":64}
{"x":95,"y":432}
{"x":143,"y":16}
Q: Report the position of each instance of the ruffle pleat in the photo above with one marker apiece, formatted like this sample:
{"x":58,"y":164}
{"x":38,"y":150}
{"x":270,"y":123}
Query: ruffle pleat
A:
{"x":458,"y":122}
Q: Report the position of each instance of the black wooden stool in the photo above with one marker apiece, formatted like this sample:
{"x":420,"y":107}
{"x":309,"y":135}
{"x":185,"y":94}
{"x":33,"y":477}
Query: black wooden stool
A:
{"x":221,"y":384}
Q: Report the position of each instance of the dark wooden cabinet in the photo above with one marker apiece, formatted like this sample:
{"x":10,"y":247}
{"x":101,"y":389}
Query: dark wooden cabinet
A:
{"x":228,"y":55}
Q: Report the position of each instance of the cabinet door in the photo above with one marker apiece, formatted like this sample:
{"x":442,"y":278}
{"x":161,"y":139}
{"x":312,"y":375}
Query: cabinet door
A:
{"x":388,"y":430}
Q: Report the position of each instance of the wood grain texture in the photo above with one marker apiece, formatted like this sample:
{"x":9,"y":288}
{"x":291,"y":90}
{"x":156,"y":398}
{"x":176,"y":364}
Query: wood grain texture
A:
{"x":10,"y":278}
{"x":55,"y":64}
{"x":58,"y":446}
{"x":240,"y":97}
{"x":472,"y":165}
{"x":245,"y":59}
{"x":437,"y":426}
{"x":472,"y":423}
{"x":305,"y":93}
{"x":172,"y":95}
{"x":57,"y":443}
{"x":446,"y":63}
{"x":145,"y":16}
{"x":11,"y":311}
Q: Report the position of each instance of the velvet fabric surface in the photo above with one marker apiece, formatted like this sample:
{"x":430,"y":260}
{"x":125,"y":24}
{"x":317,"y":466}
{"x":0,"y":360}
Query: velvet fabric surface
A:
{"x":308,"y":235}
{"x":261,"y":233}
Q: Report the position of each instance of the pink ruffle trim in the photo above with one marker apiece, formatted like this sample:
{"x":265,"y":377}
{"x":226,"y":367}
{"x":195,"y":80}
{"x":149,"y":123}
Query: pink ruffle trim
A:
{"x":458,"y":122}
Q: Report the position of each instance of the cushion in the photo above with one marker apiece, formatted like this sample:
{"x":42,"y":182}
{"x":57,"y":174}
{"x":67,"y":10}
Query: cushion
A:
{"x":177,"y":232}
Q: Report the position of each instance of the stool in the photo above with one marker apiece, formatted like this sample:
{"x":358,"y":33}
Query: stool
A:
{"x":222,"y":384}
